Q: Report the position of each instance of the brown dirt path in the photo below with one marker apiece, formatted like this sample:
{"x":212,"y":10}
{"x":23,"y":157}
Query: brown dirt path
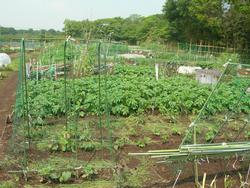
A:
{"x":7,"y":100}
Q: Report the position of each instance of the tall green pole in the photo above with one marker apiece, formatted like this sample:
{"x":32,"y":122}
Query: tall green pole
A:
{"x":99,"y":93}
{"x":25,"y":101}
{"x":65,"y":84}
{"x":26,"y":91}
{"x":107,"y":105}
{"x":76,"y":113}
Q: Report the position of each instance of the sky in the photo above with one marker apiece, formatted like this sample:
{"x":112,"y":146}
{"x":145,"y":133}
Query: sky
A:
{"x":50,"y":14}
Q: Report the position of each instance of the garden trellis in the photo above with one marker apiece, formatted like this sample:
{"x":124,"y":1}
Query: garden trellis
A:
{"x":60,"y":67}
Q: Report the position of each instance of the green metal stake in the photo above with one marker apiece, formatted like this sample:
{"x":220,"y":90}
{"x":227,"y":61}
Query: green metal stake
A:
{"x":65,"y":84}
{"x":99,"y":93}
{"x":26,"y":91}
{"x":107,"y":108}
{"x":76,"y":113}
{"x":24,"y":162}
{"x":25,"y":100}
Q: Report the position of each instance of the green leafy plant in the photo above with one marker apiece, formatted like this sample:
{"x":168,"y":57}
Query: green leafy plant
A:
{"x":89,"y":146}
{"x":89,"y":172}
{"x":143,"y":142}
{"x":176,"y":131}
{"x":50,"y":174}
{"x":120,"y":142}
{"x":63,"y":142}
{"x":247,"y":134}
{"x":133,"y":91}
{"x":156,"y":131}
{"x":211,"y":133}
{"x":136,"y":177}
{"x":65,"y":177}
{"x":164,"y":137}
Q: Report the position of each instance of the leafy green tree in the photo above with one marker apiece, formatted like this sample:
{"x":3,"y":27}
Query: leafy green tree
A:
{"x":74,"y":28}
{"x":9,"y":33}
{"x":180,"y":21}
{"x":208,"y":18}
{"x":194,"y":19}
{"x":133,"y":29}
{"x":236,"y":28}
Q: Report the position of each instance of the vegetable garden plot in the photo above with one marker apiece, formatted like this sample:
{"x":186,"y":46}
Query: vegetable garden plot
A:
{"x":65,"y":83}
{"x":209,"y":136}
{"x":69,"y":112}
{"x":39,"y":136}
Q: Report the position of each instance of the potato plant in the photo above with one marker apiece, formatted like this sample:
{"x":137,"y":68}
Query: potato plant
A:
{"x":133,"y":91}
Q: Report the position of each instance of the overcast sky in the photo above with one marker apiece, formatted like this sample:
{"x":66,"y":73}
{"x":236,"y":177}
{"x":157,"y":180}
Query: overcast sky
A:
{"x":46,"y":14}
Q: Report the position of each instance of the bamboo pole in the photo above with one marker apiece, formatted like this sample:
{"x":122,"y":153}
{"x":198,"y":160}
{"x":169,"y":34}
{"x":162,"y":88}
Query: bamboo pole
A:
{"x":213,"y":183}
{"x":196,"y":172}
{"x":204,"y":180}
{"x":177,"y":179}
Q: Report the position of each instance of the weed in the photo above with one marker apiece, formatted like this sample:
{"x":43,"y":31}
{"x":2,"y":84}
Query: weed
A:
{"x":143,"y":142}
{"x":165,"y":138}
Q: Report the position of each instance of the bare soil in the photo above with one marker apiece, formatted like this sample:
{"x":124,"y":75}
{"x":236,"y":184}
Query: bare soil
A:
{"x":7,"y":99}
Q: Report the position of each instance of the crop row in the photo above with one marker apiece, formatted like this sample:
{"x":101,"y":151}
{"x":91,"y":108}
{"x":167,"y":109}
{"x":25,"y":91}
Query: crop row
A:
{"x":128,"y":92}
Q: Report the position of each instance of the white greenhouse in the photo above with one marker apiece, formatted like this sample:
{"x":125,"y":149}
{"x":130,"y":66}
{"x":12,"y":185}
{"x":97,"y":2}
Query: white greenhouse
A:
{"x":4,"y":59}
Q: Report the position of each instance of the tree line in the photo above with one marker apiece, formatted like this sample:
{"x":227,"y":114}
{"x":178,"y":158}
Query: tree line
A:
{"x":223,"y":22}
{"x":133,"y":29}
{"x":213,"y":22}
{"x":10,"y":33}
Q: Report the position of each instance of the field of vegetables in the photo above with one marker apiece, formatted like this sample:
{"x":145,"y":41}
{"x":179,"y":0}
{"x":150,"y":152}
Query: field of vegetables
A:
{"x":133,"y":90}
{"x":78,"y":130}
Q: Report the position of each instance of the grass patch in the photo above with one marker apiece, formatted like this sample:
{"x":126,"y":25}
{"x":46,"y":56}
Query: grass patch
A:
{"x":88,"y":184}
{"x":8,"y":184}
{"x":66,"y":170}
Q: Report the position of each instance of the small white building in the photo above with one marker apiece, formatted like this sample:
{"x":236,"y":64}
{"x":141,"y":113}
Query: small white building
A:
{"x":207,"y":76}
{"x":4,"y":59}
